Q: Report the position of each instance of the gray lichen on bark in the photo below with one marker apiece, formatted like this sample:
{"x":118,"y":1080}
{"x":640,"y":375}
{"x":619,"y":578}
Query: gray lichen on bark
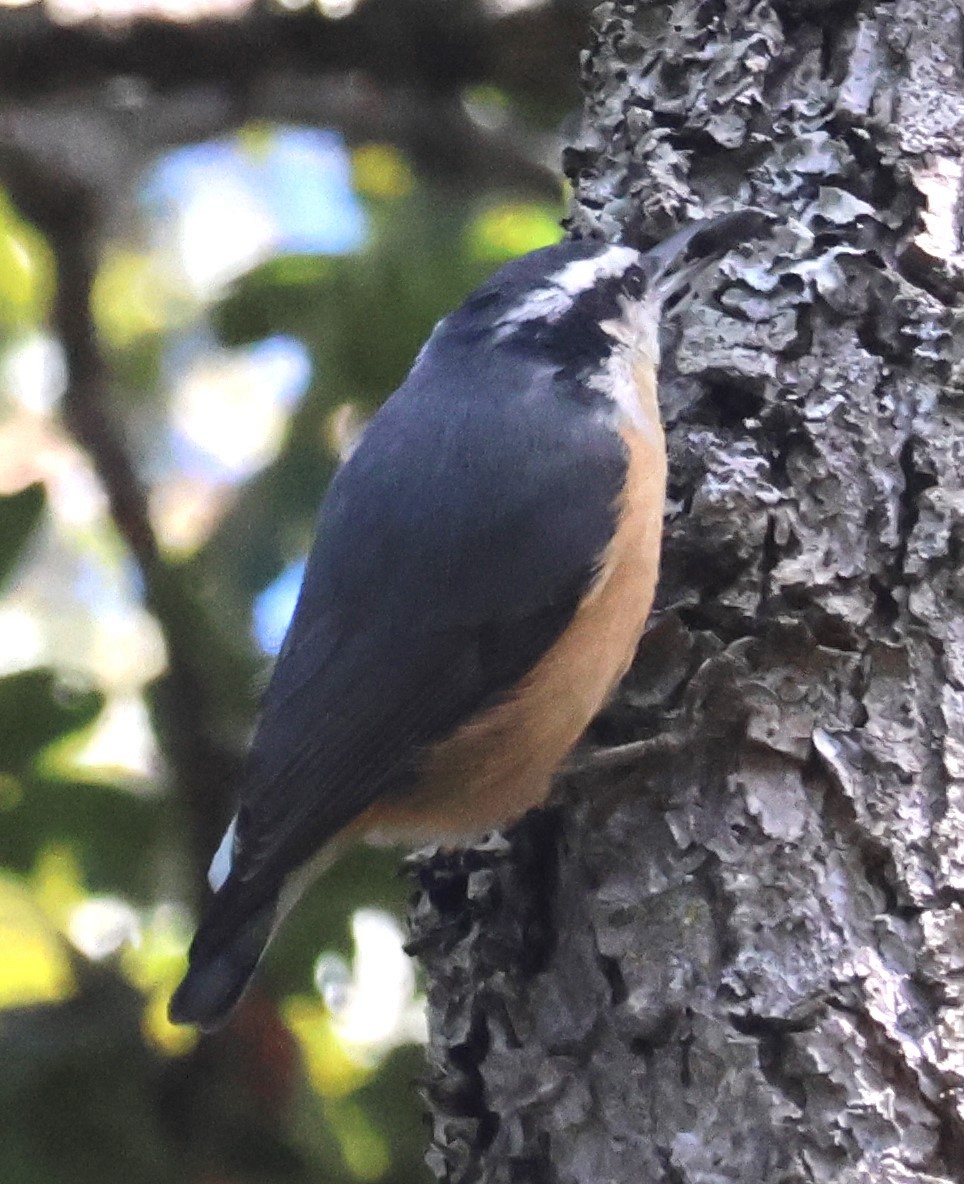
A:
{"x":736,"y":953}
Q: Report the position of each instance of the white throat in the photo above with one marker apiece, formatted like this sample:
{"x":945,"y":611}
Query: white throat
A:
{"x":628,"y":378}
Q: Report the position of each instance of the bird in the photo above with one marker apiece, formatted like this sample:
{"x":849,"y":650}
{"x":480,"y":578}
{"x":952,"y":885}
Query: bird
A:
{"x":484,"y":565}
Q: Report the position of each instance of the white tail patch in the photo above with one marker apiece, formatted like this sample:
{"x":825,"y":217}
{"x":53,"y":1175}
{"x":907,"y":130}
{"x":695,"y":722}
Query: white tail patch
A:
{"x":223,"y":859}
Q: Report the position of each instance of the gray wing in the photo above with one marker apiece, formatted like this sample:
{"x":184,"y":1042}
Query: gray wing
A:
{"x":435,"y":584}
{"x":449,"y":557}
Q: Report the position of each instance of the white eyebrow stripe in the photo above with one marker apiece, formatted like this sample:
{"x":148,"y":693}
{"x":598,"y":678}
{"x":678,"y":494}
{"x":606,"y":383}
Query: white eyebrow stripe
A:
{"x":580,"y":275}
{"x":563,"y":286}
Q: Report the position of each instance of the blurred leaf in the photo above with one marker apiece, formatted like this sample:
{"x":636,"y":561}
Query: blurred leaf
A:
{"x":323,"y":916}
{"x":19,"y":515}
{"x":159,"y":956}
{"x":137,"y":306}
{"x":380,"y":171}
{"x":385,"y":1112}
{"x":514,"y":228}
{"x":274,"y":297}
{"x":363,"y":318}
{"x":113,"y":833}
{"x":36,"y":707}
{"x":332,"y":1072}
{"x":174,"y":1040}
{"x":274,"y":515}
{"x":155,"y":964}
{"x":133,"y":298}
{"x":487,"y":95}
{"x":137,"y":369}
{"x":78,"y":1094}
{"x":57,"y":882}
{"x":36,"y":964}
{"x":26,"y":270}
{"x":229,"y":668}
{"x":258,"y":1153}
{"x":392,"y":1099}
{"x":363,"y":1148}
{"x":256,"y":139}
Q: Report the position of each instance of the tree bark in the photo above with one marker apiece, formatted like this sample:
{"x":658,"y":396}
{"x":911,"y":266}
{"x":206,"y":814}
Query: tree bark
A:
{"x":735,"y":950}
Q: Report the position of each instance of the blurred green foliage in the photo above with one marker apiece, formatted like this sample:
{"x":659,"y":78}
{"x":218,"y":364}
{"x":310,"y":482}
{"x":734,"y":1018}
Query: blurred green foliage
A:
{"x":363,"y":317}
{"x":26,"y":272}
{"x":94,"y":1084}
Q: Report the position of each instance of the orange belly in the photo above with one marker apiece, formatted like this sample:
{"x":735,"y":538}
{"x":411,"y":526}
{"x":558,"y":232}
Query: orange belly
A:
{"x":500,"y":764}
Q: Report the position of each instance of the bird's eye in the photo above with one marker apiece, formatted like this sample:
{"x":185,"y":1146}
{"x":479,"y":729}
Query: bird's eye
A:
{"x":634,"y":283}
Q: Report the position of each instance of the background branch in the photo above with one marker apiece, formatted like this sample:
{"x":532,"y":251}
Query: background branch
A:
{"x":439,"y":47}
{"x":186,"y":714}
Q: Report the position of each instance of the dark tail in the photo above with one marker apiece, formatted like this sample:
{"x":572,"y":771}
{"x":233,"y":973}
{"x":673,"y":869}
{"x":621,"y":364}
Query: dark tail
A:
{"x":222,"y":959}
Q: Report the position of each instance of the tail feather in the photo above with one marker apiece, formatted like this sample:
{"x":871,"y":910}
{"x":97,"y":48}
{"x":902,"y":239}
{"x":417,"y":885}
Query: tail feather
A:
{"x":238,"y":923}
{"x":221,"y":966}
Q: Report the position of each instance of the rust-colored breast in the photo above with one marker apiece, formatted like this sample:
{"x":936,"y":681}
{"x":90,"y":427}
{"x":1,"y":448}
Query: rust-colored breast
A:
{"x":500,"y":764}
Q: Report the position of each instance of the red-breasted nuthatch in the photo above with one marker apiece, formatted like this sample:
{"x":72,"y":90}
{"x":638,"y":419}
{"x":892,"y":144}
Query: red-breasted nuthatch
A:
{"x":483,"y":569}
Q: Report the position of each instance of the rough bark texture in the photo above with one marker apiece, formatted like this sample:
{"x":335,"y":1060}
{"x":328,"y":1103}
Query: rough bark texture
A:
{"x":735,"y":952}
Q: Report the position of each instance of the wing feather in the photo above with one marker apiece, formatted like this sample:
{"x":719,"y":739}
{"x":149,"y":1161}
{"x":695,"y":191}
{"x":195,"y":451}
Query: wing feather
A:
{"x":434,"y":586}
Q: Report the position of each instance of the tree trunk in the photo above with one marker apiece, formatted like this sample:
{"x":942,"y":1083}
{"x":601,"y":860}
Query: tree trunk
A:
{"x":735,"y":951}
